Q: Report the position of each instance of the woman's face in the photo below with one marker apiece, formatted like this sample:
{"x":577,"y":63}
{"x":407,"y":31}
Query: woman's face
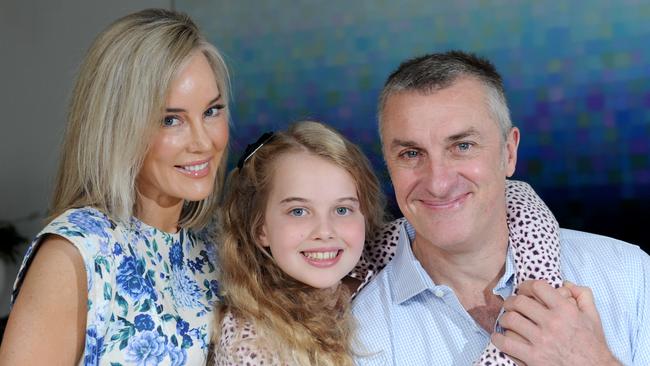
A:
{"x":185,"y":153}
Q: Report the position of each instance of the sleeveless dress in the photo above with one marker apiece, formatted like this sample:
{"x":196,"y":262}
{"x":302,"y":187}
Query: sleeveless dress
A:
{"x":150,"y":293}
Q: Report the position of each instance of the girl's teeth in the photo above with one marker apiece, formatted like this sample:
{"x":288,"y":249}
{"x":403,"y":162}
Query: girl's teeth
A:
{"x":321,"y":255}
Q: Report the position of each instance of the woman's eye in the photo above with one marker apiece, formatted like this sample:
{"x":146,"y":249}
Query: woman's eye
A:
{"x":342,"y":211}
{"x":213,"y":111}
{"x":170,"y":121}
{"x":297,"y":212}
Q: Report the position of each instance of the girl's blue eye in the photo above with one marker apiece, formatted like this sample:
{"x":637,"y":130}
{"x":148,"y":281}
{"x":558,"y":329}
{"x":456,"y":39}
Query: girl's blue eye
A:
{"x":297,"y":212}
{"x":342,"y":211}
{"x":464,"y":146}
{"x":170,"y":121}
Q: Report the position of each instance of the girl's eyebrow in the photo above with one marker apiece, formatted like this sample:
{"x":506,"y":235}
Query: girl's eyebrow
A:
{"x":304,"y":200}
{"x":294,"y":199}
{"x":353,"y":199}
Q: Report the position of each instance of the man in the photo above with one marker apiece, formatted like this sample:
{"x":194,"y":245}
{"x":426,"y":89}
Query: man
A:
{"x":449,"y":145}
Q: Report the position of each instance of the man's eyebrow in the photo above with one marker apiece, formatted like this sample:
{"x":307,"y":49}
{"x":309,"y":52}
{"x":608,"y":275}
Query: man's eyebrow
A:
{"x":470,"y":132}
{"x":397,"y":143}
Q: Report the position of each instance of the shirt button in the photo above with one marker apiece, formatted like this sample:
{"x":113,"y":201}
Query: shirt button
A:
{"x":439,"y":293}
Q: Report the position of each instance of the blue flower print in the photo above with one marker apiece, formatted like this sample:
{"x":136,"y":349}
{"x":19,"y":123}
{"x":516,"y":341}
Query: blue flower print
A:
{"x":182,"y":326}
{"x":185,"y":290}
{"x":176,"y":255}
{"x":195,"y":265}
{"x":90,"y":221}
{"x":143,"y":322}
{"x":177,"y":355}
{"x":214,"y":286}
{"x":117,"y":249}
{"x":147,"y":348}
{"x":94,"y":346}
{"x":131,"y":280}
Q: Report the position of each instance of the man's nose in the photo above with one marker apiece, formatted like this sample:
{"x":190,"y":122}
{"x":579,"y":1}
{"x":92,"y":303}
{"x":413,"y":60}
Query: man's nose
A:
{"x":440,"y":176}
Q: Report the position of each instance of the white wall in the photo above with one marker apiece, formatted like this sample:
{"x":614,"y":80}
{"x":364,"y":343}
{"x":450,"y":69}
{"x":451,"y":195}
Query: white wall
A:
{"x":41,"y":45}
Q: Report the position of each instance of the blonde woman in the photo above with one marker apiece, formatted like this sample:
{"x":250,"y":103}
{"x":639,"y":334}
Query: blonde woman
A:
{"x":122,"y":273}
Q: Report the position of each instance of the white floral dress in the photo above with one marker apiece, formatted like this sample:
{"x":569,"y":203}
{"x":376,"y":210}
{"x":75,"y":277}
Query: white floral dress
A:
{"x":150,"y":293}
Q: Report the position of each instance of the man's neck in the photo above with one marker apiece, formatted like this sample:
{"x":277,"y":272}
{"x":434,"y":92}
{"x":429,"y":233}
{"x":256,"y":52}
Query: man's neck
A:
{"x":472,"y":273}
{"x":460,"y":269}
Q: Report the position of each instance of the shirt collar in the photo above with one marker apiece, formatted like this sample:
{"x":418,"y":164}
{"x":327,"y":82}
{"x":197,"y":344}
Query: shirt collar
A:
{"x":505,"y":285}
{"x":408,"y":279}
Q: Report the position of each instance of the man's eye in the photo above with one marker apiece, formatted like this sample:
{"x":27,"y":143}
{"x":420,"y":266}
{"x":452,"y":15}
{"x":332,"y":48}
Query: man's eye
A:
{"x":464,"y":146}
{"x":170,"y":121}
{"x":410,"y":154}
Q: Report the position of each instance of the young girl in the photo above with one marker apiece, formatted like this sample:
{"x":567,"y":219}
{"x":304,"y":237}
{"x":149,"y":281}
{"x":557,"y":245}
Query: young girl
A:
{"x":296,"y":215}
{"x":123,"y":274}
{"x":298,"y":206}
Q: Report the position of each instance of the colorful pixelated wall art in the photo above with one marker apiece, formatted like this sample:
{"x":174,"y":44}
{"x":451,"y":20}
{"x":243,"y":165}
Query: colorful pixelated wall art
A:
{"x":577,"y":76}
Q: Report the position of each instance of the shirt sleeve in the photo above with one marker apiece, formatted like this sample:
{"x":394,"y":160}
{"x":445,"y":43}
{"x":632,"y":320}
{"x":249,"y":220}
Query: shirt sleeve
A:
{"x":641,"y":345}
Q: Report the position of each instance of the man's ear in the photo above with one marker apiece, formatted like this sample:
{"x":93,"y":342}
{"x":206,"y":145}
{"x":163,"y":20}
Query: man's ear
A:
{"x":512,"y":143}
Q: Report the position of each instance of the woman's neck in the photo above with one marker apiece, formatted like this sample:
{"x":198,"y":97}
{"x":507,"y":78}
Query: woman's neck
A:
{"x":164,"y":215}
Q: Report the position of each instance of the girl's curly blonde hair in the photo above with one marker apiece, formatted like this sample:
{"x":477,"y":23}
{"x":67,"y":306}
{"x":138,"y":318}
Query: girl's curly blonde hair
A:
{"x":300,"y":324}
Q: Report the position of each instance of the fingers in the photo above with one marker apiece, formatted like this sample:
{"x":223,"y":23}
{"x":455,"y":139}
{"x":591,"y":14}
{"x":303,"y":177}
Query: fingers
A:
{"x":566,"y":293}
{"x":518,"y":326}
{"x":527,"y":307}
{"x":514,"y":347}
{"x":584,"y":299}
{"x":543,"y":292}
{"x":516,"y":337}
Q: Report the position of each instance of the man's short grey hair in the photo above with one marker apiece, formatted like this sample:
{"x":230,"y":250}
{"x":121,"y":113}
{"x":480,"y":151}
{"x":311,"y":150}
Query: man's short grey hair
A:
{"x":429,"y":73}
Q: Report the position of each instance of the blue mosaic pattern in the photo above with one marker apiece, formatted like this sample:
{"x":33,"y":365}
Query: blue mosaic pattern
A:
{"x":577,"y":75}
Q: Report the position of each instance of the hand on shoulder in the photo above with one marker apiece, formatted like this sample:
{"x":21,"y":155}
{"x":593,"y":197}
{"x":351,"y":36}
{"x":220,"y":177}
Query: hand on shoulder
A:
{"x":548,"y":326}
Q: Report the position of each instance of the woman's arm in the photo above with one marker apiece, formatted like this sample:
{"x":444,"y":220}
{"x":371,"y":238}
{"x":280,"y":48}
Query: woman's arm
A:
{"x":48,"y":320}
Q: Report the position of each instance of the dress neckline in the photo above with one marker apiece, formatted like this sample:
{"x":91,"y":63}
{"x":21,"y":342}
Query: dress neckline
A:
{"x":142,"y":226}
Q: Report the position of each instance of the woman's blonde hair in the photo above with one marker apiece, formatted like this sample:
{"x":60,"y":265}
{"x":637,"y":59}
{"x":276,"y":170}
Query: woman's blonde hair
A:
{"x":304,"y":325}
{"x":117,"y":104}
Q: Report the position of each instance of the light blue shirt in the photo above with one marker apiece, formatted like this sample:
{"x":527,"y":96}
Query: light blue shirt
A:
{"x":406,"y":319}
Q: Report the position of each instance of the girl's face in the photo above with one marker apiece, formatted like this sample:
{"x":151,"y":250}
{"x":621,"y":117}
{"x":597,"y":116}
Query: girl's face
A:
{"x":313,"y":223}
{"x":186,"y":151}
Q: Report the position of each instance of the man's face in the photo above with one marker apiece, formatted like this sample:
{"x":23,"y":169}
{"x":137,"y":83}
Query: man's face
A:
{"x":448,"y":164}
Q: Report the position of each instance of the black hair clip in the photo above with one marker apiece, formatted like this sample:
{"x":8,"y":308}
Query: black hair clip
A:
{"x":252,"y":148}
